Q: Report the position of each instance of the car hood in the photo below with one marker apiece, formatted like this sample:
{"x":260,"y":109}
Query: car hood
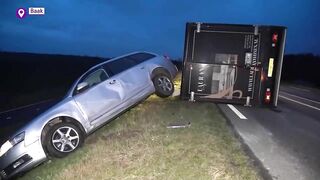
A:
{"x":13,"y":120}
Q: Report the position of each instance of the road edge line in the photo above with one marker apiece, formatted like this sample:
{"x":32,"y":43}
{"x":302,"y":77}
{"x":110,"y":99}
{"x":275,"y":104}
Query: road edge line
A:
{"x":257,"y":163}
{"x":307,"y":105}
{"x":307,"y":99}
{"x":236,"y":111}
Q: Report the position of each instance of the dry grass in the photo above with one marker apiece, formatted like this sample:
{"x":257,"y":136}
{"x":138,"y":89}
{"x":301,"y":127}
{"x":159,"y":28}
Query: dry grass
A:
{"x":137,"y":145}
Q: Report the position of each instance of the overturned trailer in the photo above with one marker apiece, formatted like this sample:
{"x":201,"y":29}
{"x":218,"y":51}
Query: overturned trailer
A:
{"x":232,"y":63}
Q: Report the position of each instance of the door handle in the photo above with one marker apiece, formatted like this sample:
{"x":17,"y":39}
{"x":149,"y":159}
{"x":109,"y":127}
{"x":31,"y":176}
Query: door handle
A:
{"x":112,"y":82}
{"x":142,"y":67}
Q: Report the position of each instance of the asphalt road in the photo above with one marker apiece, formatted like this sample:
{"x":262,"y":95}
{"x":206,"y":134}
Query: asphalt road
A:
{"x":285,"y":139}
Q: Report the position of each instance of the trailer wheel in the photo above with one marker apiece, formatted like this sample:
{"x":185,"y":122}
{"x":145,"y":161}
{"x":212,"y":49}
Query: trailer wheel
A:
{"x":163,"y":85}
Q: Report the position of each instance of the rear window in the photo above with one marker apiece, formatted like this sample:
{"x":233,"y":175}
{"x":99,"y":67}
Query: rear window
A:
{"x":141,"y":57}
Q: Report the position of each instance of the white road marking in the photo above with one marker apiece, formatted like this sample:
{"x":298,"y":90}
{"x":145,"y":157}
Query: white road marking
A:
{"x":236,"y":111}
{"x":301,"y":97}
{"x":307,"y":105}
{"x":306,"y":90}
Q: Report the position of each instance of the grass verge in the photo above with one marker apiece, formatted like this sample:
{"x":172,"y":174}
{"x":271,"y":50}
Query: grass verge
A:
{"x":137,"y":145}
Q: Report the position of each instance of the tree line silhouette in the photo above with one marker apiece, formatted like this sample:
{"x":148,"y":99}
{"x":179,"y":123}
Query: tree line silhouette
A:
{"x":302,"y":69}
{"x":29,"y":78}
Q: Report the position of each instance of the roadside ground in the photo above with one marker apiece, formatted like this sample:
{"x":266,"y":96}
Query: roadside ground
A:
{"x":138,"y":145}
{"x":285,"y":140}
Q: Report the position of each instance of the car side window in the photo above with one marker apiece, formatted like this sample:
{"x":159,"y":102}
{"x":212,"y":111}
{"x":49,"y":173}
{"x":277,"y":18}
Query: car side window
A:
{"x":96,"y":77}
{"x":141,"y":57}
{"x":119,"y":65}
{"x":92,"y":78}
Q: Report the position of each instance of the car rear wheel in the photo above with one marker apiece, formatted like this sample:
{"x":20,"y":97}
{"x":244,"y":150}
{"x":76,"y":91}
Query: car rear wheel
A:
{"x":63,"y":138}
{"x":163,"y":85}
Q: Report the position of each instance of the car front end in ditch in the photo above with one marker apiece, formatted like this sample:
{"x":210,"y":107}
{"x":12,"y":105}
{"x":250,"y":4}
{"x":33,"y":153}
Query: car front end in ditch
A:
{"x":17,"y":156}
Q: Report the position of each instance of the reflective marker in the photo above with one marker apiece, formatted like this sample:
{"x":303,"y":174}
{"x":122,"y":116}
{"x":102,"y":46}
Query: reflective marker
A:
{"x":270,"y":69}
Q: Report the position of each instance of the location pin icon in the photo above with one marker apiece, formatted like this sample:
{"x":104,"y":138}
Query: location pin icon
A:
{"x":21,"y":13}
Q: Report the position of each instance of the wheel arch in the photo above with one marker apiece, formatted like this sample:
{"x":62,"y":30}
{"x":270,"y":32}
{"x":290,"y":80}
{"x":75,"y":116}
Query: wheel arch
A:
{"x":57,"y":120}
{"x":160,"y":70}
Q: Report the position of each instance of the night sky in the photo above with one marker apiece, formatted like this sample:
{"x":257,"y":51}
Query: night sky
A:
{"x":109,"y":28}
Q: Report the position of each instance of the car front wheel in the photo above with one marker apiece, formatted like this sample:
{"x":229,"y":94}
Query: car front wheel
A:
{"x":63,"y":138}
{"x":163,"y":85}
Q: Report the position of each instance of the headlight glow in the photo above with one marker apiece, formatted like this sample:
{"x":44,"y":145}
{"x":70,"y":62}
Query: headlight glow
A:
{"x":5,"y":147}
{"x":10,"y":143}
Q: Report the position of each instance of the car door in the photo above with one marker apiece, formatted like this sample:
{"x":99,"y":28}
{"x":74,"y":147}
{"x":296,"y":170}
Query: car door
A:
{"x":101,"y":96}
{"x":133,"y":76}
{"x":143,"y":75}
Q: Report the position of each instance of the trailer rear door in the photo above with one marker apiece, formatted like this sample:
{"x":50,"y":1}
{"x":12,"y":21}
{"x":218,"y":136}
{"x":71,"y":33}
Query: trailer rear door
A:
{"x":224,"y":63}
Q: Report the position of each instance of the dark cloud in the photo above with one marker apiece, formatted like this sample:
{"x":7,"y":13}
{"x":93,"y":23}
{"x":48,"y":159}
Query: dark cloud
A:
{"x":113,"y":27}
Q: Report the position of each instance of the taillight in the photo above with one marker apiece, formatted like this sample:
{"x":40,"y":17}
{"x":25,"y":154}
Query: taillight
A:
{"x":268,"y":96}
{"x":275,"y":37}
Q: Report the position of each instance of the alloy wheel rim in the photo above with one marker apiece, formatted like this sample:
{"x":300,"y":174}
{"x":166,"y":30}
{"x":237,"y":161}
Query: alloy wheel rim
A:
{"x":164,"y":83}
{"x":65,"y":139}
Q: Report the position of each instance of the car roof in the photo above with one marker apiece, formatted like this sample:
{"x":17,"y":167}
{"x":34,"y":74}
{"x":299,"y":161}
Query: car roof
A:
{"x":119,"y":57}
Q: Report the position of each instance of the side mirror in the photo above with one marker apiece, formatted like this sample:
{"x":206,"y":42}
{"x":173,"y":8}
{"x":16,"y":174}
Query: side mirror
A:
{"x":82,"y":86}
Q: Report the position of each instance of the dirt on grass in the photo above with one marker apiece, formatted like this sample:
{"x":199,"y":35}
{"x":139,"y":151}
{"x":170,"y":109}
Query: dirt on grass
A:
{"x":114,"y":135}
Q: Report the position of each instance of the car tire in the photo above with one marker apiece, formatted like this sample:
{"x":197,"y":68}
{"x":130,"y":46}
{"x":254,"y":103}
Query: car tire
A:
{"x":63,"y":138}
{"x":163,"y":85}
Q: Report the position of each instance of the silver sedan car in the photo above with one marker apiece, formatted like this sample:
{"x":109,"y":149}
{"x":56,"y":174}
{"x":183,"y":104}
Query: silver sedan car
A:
{"x":99,"y":95}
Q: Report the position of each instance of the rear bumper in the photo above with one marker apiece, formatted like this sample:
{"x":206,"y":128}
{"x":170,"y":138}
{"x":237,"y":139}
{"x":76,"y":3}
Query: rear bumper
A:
{"x":173,"y":70}
{"x":21,"y":158}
